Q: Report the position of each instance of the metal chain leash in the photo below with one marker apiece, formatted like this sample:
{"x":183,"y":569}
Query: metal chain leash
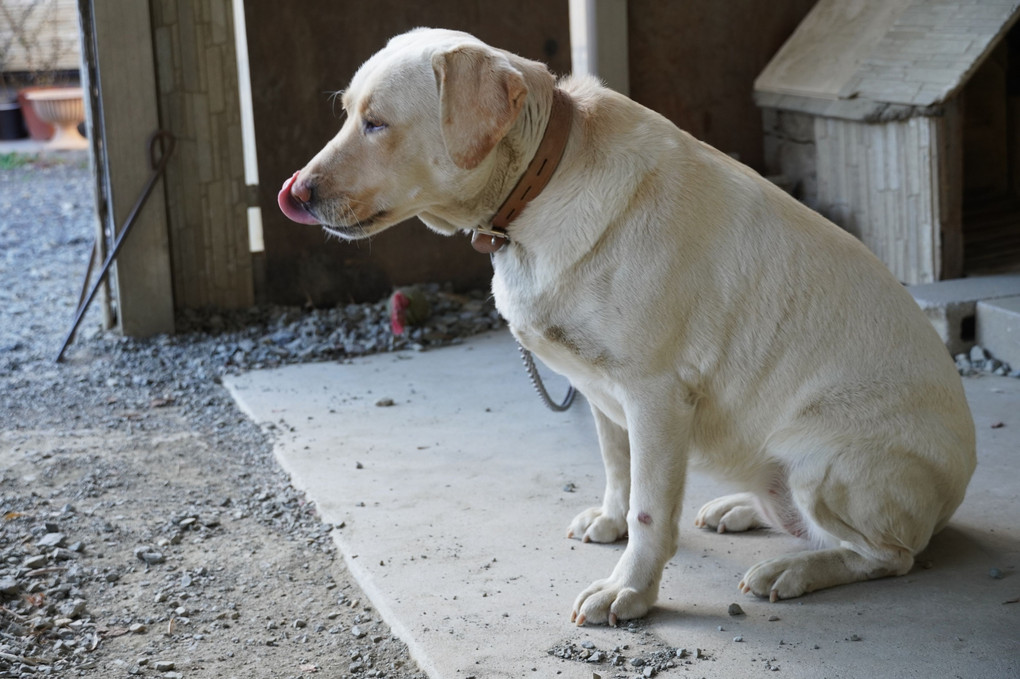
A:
{"x":536,"y":380}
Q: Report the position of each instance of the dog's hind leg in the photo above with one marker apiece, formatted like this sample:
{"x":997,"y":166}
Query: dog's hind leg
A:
{"x":791,"y":575}
{"x":870,"y":508}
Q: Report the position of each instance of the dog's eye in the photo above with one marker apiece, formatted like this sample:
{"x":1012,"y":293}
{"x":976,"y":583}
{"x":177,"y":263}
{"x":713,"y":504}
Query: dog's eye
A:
{"x":369,"y":126}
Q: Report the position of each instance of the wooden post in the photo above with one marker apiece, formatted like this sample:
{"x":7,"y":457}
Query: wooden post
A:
{"x":121,"y":45}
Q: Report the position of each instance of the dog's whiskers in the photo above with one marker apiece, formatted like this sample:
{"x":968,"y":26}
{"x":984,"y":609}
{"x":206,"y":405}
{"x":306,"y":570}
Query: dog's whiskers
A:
{"x":332,"y":101}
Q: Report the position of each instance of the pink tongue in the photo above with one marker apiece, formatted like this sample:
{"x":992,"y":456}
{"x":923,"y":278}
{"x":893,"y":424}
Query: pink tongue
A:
{"x":291,"y":207}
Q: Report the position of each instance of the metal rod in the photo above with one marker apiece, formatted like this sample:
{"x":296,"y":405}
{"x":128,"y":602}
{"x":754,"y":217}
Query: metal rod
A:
{"x":158,"y":166}
{"x":88,"y":272}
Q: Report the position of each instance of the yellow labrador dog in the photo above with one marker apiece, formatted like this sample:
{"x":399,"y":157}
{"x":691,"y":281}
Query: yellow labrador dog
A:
{"x":711,"y":320}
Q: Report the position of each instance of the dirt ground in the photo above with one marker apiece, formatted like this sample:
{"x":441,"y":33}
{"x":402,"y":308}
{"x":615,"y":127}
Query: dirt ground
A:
{"x":146,"y":528}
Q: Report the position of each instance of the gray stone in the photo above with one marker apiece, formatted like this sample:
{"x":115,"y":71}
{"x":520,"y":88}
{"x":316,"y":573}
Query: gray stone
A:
{"x":52,"y":540}
{"x":72,"y":609}
{"x":149,"y":555}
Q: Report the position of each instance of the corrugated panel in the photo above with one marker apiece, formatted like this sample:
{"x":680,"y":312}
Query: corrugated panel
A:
{"x":195,"y":53}
{"x":41,"y":35}
{"x":880,"y":182}
{"x":929,"y":220}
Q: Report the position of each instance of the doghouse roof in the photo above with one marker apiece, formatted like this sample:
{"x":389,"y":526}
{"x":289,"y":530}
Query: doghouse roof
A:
{"x":880,"y":59}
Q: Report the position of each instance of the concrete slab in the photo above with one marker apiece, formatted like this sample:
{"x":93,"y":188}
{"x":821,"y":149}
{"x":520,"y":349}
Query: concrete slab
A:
{"x":998,"y":328}
{"x":951,"y":305}
{"x":453,"y":510}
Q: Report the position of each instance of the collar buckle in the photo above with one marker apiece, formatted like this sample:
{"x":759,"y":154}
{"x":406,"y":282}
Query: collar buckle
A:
{"x":488,"y":240}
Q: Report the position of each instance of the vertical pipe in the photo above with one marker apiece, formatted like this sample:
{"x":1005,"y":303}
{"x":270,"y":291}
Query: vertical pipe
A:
{"x":251,"y":168}
{"x":598,"y":41}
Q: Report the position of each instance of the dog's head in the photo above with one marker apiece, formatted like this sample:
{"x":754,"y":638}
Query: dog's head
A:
{"x":423,"y":116}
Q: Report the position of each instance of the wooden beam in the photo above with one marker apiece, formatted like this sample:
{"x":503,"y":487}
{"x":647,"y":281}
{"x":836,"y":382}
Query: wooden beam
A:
{"x":128,"y":115}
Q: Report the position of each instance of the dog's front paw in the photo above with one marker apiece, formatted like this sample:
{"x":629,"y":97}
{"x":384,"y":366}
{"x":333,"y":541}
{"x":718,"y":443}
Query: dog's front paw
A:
{"x":610,"y":600}
{"x":783,"y":577}
{"x":594,"y":525}
{"x":730,"y":513}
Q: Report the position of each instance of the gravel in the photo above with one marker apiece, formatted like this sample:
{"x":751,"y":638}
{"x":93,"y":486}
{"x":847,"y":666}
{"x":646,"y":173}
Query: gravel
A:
{"x":147,"y":530}
{"x":268,"y":337}
{"x":645,"y":656}
{"x":980,"y":361}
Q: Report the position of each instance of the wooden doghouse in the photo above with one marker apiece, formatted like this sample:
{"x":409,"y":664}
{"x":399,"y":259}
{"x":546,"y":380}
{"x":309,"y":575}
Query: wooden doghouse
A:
{"x":900,"y":121}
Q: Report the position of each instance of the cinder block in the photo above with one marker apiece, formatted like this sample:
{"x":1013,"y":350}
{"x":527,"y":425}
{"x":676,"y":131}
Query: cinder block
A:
{"x":998,"y":328}
{"x":951,"y":306}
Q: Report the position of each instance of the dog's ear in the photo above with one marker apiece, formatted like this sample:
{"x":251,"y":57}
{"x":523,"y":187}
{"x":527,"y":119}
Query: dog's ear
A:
{"x":480,"y":96}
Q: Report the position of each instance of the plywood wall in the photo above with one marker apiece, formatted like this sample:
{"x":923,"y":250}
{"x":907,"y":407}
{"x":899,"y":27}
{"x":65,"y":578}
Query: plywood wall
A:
{"x":695,"y":62}
{"x":300,"y":54}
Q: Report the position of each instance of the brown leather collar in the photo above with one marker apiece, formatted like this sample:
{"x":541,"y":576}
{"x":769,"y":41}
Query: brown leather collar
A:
{"x":492,"y":238}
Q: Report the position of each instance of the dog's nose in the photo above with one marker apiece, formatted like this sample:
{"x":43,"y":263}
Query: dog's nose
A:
{"x":303,"y":191}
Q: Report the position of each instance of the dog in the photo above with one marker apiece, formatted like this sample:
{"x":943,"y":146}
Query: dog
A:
{"x":711,"y":320}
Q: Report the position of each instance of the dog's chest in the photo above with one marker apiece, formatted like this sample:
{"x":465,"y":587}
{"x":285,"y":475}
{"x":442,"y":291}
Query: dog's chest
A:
{"x":558,"y":325}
